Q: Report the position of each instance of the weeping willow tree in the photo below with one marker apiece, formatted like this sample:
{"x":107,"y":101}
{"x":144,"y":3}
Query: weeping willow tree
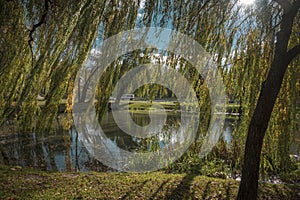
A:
{"x":284,"y":53}
{"x":45,"y":43}
{"x":47,"y":56}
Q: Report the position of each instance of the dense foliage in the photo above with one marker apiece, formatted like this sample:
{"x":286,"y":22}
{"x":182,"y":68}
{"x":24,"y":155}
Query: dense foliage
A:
{"x":44,"y":43}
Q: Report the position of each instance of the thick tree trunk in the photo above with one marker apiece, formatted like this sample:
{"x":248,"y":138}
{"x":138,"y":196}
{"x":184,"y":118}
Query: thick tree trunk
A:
{"x":262,"y":113}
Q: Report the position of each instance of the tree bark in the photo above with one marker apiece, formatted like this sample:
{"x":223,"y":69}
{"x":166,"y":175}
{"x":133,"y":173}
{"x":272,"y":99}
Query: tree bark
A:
{"x":259,"y":122}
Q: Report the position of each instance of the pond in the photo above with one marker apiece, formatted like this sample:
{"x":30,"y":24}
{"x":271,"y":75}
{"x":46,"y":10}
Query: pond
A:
{"x":65,"y":150}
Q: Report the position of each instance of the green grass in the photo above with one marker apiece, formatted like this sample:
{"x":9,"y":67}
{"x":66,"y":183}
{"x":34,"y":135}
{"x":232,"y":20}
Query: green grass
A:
{"x":147,"y":105}
{"x":17,"y":183}
{"x":175,"y":106}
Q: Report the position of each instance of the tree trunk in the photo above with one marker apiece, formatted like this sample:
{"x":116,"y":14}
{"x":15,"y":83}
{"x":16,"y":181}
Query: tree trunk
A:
{"x":259,"y":122}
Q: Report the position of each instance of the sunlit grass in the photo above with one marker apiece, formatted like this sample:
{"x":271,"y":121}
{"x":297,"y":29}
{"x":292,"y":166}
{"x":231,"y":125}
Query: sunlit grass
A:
{"x":18,"y":183}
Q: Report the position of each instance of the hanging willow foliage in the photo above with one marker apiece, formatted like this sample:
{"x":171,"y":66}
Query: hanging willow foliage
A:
{"x":55,"y":39}
{"x":45,"y":43}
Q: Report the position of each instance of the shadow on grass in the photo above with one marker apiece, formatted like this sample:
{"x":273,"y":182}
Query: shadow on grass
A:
{"x":20,"y":183}
{"x":136,"y":188}
{"x":206,"y":190}
{"x":159,"y":189}
{"x":191,"y":188}
{"x":180,"y":192}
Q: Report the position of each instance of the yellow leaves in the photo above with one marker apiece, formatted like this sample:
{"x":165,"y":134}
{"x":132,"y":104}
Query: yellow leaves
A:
{"x":283,"y":111}
{"x":69,"y":105}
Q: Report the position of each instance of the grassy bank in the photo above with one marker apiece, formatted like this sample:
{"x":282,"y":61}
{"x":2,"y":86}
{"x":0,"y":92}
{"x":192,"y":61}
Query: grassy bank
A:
{"x":175,"y":106}
{"x":17,"y":183}
{"x":139,"y":106}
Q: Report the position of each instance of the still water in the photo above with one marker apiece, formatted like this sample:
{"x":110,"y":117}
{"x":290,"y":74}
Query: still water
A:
{"x":62,"y":150}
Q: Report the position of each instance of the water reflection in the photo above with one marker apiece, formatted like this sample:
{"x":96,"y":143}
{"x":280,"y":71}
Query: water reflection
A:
{"x":64,"y":150}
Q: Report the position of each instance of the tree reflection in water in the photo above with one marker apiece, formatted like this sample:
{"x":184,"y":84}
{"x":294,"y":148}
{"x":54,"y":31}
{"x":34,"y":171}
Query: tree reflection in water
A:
{"x":63,"y":150}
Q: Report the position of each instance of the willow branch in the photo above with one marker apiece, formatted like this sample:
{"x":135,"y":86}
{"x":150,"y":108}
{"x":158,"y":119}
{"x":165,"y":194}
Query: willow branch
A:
{"x":293,"y":52}
{"x":35,"y":26}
